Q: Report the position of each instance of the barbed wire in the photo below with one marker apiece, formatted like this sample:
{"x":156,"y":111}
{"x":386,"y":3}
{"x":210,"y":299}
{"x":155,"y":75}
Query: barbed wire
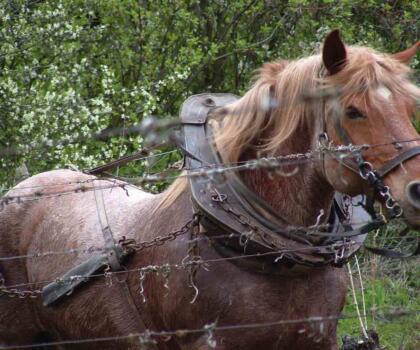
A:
{"x":79,"y":182}
{"x":92,"y":249}
{"x":203,"y":172}
{"x":152,"y":124}
{"x":167,"y":268}
{"x":184,"y":265}
{"x":147,"y":336}
{"x":253,"y":163}
{"x":210,"y":172}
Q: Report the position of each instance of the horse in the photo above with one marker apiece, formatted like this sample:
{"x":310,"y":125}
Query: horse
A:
{"x":220,"y":304}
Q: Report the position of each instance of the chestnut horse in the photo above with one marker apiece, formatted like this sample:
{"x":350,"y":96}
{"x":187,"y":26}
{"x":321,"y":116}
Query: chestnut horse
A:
{"x":379,"y":102}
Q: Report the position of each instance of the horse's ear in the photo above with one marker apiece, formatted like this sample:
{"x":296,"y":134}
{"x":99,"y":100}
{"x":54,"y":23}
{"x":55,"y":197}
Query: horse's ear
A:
{"x":334,"y":52}
{"x":406,"y":55}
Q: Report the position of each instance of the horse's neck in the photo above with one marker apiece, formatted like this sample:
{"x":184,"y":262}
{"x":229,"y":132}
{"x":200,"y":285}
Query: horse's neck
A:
{"x":297,"y":192}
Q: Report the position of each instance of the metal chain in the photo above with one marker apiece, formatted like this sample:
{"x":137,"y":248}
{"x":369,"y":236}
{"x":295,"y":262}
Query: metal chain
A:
{"x":17,"y":293}
{"x":221,"y":200}
{"x":367,"y":173}
{"x":129,"y":244}
{"x":132,"y":245}
{"x":338,"y":248}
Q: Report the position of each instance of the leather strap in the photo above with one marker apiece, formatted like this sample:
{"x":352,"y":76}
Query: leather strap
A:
{"x":118,"y":162}
{"x":398,"y":160}
{"x":388,"y":253}
{"x":354,"y":164}
{"x":114,"y":256}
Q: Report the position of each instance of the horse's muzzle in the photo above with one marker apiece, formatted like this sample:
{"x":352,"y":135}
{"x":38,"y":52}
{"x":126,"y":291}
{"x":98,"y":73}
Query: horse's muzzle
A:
{"x":412,"y":191}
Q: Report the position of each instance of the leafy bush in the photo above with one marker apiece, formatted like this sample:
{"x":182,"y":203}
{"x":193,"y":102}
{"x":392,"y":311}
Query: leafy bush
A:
{"x":69,"y":68}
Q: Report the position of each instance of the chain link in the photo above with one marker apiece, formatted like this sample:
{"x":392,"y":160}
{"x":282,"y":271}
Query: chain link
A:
{"x":367,"y":173}
{"x":221,"y":200}
{"x":129,"y":244}
{"x":17,"y":293}
{"x":132,"y":245}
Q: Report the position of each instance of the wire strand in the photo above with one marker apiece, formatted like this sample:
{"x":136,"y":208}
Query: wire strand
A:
{"x":147,"y":335}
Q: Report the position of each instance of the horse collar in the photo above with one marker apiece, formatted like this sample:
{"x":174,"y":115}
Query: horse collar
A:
{"x":249,"y":225}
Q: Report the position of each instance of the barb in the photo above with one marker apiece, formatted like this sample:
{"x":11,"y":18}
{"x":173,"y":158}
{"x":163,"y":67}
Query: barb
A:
{"x":142,"y":278}
{"x":209,"y":329}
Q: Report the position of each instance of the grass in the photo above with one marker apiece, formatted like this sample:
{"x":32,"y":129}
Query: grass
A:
{"x":390,"y":286}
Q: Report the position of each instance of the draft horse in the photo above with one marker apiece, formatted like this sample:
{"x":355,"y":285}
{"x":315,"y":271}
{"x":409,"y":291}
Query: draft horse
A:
{"x":263,"y":211}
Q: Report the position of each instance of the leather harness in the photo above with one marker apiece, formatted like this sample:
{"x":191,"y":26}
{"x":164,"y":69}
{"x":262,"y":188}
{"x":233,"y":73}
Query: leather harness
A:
{"x":228,"y":206}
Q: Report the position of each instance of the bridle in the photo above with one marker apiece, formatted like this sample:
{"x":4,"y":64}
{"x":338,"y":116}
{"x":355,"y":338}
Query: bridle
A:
{"x":365,"y":169}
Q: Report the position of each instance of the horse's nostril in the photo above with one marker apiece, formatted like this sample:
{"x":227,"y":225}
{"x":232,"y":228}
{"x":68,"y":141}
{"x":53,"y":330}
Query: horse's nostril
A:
{"x":413,"y":193}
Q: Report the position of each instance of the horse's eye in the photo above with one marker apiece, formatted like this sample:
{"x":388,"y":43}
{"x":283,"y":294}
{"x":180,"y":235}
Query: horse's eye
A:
{"x":354,"y":113}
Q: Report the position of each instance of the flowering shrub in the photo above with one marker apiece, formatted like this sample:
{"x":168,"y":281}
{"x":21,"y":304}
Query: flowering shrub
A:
{"x":71,"y":68}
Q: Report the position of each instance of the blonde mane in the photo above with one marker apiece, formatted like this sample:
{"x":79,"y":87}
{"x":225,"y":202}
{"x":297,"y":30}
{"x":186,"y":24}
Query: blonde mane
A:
{"x":275,"y":102}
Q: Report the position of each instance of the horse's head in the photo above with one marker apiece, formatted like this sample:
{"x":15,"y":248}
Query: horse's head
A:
{"x":376,"y":106}
{"x":372,"y":102}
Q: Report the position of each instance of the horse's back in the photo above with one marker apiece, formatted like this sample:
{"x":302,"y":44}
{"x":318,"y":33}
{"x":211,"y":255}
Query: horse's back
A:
{"x":54,"y":215}
{"x":60,"y":210}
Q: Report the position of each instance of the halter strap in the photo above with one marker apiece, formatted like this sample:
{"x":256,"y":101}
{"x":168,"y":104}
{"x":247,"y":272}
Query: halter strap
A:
{"x":399,"y":159}
{"x":387,"y":167}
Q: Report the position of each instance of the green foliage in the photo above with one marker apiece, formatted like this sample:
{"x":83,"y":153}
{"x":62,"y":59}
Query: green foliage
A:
{"x":69,"y":68}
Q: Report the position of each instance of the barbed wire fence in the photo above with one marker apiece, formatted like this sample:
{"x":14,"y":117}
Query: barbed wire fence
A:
{"x":152,"y":337}
{"x":165,"y":270}
{"x":207,"y":173}
{"x":151,"y":128}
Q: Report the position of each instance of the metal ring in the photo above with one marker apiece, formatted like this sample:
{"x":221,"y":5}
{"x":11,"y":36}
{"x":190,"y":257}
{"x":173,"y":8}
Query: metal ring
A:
{"x":323,"y":138}
{"x":385,"y":191}
{"x":397,"y":211}
{"x":218,"y":197}
{"x":365,"y":169}
{"x":390,"y":203}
